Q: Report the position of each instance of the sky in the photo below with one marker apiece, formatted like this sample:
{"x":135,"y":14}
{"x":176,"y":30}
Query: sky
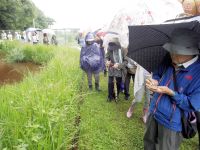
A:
{"x":81,"y":13}
{"x":95,"y":14}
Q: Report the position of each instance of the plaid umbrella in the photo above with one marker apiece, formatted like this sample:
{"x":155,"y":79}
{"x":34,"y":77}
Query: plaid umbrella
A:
{"x":145,"y":42}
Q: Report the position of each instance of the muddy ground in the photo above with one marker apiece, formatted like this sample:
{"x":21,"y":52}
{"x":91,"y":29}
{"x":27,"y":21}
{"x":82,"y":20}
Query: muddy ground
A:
{"x":12,"y":73}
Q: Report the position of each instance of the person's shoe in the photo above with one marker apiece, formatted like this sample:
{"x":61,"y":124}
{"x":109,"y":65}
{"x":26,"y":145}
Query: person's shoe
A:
{"x":105,"y":73}
{"x":126,"y":98}
{"x":90,"y":87}
{"x":116,"y":100}
{"x":129,"y":112}
{"x":97,"y":87}
{"x":145,"y":115}
{"x":144,"y":119}
{"x":109,"y":99}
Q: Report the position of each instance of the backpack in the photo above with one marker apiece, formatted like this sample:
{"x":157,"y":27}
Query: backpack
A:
{"x":91,"y":59}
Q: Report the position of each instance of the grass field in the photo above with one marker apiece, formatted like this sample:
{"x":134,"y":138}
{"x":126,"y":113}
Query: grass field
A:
{"x":53,"y":110}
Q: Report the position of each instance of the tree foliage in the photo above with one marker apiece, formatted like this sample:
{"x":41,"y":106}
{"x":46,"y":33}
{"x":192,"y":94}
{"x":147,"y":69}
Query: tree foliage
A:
{"x":20,"y":14}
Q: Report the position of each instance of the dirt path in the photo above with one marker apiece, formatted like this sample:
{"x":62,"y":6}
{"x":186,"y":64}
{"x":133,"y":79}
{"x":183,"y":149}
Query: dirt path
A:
{"x":11,"y":73}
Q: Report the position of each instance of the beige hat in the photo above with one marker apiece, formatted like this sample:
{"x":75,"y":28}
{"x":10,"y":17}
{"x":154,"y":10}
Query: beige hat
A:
{"x":114,"y":40}
{"x":183,"y":42}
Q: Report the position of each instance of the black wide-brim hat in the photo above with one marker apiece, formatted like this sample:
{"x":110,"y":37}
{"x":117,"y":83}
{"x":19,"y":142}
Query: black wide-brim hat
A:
{"x":183,"y":42}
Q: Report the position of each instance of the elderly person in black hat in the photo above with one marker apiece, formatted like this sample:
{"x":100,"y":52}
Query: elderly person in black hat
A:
{"x":116,"y":63}
{"x":170,"y":99}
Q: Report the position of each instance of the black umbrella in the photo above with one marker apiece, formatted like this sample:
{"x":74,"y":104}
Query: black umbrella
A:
{"x":145,"y":42}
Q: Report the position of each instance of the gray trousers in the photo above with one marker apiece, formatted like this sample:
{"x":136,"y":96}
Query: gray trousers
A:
{"x":157,"y":137}
{"x":96,"y":78}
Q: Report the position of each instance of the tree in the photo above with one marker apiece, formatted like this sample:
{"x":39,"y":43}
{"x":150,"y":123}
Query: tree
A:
{"x":19,"y":15}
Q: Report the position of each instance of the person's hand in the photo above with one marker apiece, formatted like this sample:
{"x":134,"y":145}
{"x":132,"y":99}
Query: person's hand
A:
{"x":108,"y":63}
{"x":116,"y":65}
{"x":152,"y":82}
{"x":160,"y":89}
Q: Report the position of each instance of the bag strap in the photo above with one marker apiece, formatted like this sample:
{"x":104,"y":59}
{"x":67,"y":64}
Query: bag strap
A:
{"x":175,"y":80}
{"x":176,"y":88}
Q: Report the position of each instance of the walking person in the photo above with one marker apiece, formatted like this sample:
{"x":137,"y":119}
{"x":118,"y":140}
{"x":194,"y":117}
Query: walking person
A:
{"x":99,"y":41}
{"x":54,"y":40}
{"x":140,"y":92}
{"x":91,"y":60}
{"x":3,"y":35}
{"x":45,"y":39}
{"x":131,"y":69}
{"x":115,"y":61}
{"x":9,"y":36}
{"x":176,"y":88}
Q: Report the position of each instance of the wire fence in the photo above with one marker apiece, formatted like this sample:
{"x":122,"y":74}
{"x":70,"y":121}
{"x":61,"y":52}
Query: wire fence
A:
{"x":63,"y":36}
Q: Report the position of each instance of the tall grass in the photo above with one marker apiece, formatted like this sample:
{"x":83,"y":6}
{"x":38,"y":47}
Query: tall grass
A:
{"x":39,"y":113}
{"x":16,"y":51}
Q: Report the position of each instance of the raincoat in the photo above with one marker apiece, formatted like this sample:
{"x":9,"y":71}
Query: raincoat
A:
{"x":91,"y":58}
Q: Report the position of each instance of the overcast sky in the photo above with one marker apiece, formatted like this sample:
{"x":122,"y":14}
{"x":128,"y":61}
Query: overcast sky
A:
{"x":94,"y":14}
{"x":81,"y":13}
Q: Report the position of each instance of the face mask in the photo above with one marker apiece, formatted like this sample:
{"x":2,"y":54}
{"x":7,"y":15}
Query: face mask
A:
{"x":112,"y":44}
{"x":89,"y":42}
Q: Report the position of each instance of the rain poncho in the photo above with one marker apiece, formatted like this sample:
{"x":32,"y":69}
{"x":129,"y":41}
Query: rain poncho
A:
{"x":90,"y":58}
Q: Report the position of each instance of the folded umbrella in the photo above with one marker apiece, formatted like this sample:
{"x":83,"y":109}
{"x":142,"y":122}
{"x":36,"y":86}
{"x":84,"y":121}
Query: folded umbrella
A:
{"x":146,"y":42}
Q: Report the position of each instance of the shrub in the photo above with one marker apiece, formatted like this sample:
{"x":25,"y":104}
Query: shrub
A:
{"x":15,"y":55}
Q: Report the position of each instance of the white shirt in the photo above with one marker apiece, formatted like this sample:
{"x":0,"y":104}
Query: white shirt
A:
{"x":188,"y":63}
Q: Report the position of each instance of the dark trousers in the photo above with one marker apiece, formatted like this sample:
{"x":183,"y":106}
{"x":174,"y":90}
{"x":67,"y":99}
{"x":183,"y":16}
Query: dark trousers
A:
{"x":157,"y":137}
{"x":198,"y":125}
{"x":111,"y":93}
{"x":127,"y":83}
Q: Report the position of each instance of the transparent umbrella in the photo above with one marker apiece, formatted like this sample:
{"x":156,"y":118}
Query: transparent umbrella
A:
{"x":143,"y":12}
{"x":48,"y":31}
{"x":31,"y":29}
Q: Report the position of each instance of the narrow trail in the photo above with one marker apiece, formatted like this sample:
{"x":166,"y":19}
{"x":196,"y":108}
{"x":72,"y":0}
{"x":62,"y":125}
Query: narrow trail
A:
{"x":75,"y":140}
{"x":104,"y":124}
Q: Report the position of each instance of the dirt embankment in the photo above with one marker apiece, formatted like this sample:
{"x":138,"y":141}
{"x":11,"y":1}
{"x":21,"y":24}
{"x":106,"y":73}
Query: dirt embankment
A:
{"x":11,"y":73}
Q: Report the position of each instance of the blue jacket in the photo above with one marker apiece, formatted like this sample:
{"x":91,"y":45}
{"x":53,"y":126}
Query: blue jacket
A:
{"x":165,"y":108}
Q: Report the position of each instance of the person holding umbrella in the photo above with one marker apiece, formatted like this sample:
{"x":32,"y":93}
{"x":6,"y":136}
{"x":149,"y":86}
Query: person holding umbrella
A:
{"x":176,"y":88}
{"x":45,"y":39}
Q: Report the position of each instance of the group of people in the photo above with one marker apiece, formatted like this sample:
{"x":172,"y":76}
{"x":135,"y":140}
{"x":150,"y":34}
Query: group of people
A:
{"x":30,"y":36}
{"x":46,"y":39}
{"x":33,"y":37}
{"x":9,"y":36}
{"x":172,"y":90}
{"x":120,"y":69}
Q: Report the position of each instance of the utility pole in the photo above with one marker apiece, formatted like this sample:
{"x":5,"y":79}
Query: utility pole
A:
{"x":33,"y":22}
{"x":65,"y":36}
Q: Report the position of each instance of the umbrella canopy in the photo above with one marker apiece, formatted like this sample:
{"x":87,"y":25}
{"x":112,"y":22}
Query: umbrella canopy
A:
{"x":143,"y":12}
{"x":184,"y":19}
{"x":145,"y":42}
{"x":33,"y":29}
{"x":48,"y":31}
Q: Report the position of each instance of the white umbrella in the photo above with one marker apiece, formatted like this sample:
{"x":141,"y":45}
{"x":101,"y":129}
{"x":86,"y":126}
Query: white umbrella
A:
{"x":32,"y":29}
{"x":48,"y":31}
{"x":143,"y":12}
